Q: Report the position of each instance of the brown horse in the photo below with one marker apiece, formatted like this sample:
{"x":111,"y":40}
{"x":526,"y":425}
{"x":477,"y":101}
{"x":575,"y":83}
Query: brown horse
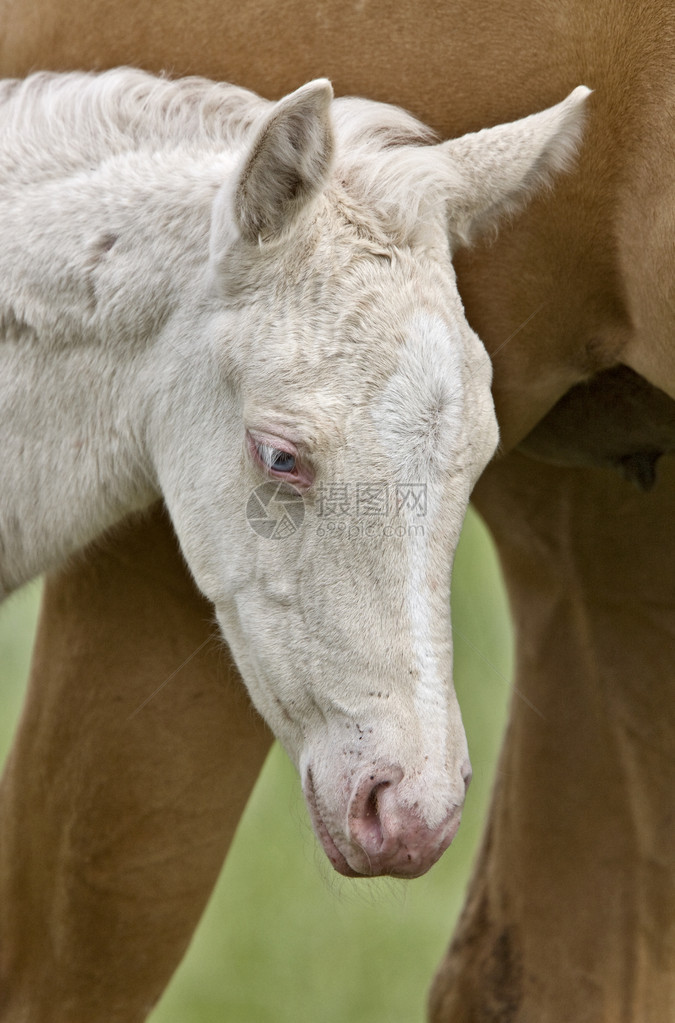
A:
{"x":571,"y":913}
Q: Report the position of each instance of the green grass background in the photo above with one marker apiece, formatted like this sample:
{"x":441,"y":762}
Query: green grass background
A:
{"x":284,"y":939}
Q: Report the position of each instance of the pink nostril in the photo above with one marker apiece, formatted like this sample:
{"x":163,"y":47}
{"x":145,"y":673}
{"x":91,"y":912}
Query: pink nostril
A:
{"x":365,"y":819}
{"x":371,"y":825}
{"x":371,"y":809}
{"x":387,"y":829}
{"x":467,"y":774}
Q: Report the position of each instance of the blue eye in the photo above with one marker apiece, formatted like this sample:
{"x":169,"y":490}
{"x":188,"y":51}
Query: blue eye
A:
{"x":283,"y":461}
{"x":275,"y":458}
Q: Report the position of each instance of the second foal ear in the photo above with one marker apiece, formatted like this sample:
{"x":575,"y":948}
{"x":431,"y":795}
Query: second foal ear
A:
{"x":500,"y":168}
{"x":287,"y":163}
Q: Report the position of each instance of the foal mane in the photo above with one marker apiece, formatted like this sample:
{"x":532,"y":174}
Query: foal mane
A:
{"x":109,"y":113}
{"x":127,"y":108}
{"x":65,"y":122}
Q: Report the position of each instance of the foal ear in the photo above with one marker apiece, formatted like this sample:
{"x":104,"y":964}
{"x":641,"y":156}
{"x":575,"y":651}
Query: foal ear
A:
{"x":500,"y":168}
{"x":287,"y":164}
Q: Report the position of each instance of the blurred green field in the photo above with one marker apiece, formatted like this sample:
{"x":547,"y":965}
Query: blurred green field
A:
{"x":284,"y":939}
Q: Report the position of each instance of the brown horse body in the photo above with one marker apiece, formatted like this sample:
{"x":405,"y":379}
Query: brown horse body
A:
{"x":571,"y":914}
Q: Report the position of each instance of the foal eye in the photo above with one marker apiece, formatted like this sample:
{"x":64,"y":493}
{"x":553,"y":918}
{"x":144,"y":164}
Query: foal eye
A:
{"x":283,"y":461}
{"x":276,"y":459}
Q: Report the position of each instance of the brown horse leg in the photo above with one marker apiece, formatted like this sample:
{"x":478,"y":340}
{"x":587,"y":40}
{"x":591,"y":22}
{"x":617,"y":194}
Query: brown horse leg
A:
{"x":570,"y":916}
{"x":135,"y":755}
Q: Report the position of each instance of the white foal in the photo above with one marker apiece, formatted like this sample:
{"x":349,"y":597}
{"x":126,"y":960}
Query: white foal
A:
{"x":249,"y":309}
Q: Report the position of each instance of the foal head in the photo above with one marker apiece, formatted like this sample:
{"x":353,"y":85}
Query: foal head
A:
{"x":342,"y":414}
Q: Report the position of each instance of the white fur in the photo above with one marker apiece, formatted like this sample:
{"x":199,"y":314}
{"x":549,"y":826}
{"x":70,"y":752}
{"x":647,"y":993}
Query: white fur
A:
{"x":182,"y":265}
